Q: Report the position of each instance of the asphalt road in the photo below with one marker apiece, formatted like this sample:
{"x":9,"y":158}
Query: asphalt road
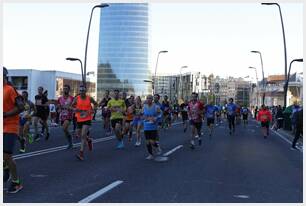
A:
{"x":240,"y":168}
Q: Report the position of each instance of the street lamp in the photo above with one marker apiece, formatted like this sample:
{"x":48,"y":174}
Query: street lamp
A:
{"x":263,"y":77}
{"x":284,"y":39}
{"x":256,"y":83}
{"x":76,"y":59}
{"x":288,"y":77}
{"x":86,"y":46}
{"x":154,"y":81}
{"x":181,"y":81}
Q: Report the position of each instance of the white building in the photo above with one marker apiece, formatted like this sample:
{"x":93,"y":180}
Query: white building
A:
{"x":53,"y":81}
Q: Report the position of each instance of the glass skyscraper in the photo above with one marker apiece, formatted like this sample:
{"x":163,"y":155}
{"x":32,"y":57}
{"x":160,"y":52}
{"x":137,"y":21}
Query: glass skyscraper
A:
{"x":124,"y":49}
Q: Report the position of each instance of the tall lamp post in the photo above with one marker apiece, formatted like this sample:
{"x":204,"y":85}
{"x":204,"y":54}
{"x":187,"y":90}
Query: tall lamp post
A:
{"x":263,"y":77}
{"x":256,"y":83}
{"x":154,"y":80}
{"x":181,"y":86}
{"x":86,"y":46}
{"x":288,"y":77}
{"x":82,"y":72}
{"x":284,"y":40}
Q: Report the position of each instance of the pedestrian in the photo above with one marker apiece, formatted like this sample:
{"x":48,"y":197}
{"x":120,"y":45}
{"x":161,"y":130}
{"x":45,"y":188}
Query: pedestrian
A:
{"x":245,"y":113}
{"x":195,"y":114}
{"x":66,"y":114}
{"x":13,"y":105}
{"x":295,"y":108}
{"x":210,"y":112}
{"x":265,"y":117}
{"x":137,"y":120}
{"x":84,"y":110}
{"x":106,"y":113}
{"x":231,"y":114}
{"x":298,"y":127}
{"x":151,"y":113}
{"x":255,"y":112}
{"x":184,"y":113}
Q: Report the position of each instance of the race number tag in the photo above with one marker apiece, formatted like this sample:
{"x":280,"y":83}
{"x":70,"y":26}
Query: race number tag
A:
{"x":83,"y":114}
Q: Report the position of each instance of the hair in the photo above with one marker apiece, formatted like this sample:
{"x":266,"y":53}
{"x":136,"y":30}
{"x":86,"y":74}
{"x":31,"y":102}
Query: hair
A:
{"x":66,"y":85}
{"x":231,"y":99}
{"x":194,"y":93}
{"x":25,"y":92}
{"x":41,"y":88}
{"x":116,"y":90}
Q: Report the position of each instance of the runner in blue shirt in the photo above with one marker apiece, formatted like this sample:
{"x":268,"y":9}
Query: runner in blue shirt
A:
{"x":210,"y":111}
{"x":245,"y":112}
{"x":231,"y":113}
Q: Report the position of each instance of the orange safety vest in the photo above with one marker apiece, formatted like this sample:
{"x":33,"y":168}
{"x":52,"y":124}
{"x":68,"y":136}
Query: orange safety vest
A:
{"x":85,"y":105}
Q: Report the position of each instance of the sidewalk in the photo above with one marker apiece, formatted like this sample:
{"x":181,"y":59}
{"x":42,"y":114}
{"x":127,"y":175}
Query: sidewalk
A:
{"x":289,"y":136}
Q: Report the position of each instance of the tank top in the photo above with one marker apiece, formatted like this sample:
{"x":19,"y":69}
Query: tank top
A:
{"x":83,"y":104}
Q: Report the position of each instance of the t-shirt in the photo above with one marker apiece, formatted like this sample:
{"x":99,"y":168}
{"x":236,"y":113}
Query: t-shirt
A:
{"x":195,"y":111}
{"x":245,"y":111}
{"x":210,"y":111}
{"x":118,"y":105}
{"x":184,"y":108}
{"x":10,"y":124}
{"x":165,"y":107}
{"x":231,"y":109}
{"x":41,"y":99}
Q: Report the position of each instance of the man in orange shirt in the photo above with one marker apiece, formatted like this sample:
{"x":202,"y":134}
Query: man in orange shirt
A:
{"x":12,"y":106}
{"x":265,"y":117}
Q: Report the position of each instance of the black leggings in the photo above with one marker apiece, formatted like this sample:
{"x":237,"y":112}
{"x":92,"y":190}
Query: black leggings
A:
{"x":231,"y":122}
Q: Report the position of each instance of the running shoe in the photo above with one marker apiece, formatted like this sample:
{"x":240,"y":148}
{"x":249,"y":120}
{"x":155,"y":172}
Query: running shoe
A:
{"x":47,"y":136}
{"x":192,"y":146}
{"x":197,"y":136}
{"x":30,"y":138}
{"x":22,"y":145}
{"x":89,"y":143}
{"x":120,"y":145}
{"x":15,"y":187}
{"x":80,"y":156}
{"x":137,"y":144}
{"x":37,"y":138}
{"x":150,"y":157}
{"x":6,"y":175}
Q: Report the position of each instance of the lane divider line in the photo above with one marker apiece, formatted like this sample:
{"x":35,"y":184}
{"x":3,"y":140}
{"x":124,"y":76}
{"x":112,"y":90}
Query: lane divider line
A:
{"x":173,"y":150}
{"x":101,"y":192}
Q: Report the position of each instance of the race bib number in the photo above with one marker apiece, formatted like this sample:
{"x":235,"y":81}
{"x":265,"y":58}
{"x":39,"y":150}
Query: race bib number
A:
{"x":83,"y":114}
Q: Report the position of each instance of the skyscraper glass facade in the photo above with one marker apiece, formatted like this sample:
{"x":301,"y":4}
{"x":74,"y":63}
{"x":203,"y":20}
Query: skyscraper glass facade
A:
{"x":124,"y":49}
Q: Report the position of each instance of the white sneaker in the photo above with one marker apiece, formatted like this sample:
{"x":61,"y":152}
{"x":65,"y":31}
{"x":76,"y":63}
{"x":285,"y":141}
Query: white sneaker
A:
{"x":150,"y":157}
{"x":158,"y":151}
{"x":197,"y":136}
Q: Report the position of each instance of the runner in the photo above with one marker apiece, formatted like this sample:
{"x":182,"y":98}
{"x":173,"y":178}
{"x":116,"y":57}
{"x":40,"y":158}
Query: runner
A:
{"x":83,"y":109}
{"x":106,"y":113}
{"x":245,"y":112}
{"x":210,"y":111}
{"x":151,"y":113}
{"x":175,"y":110}
{"x":218,"y":114}
{"x":165,"y":107}
{"x":41,"y":108}
{"x":117,"y":108}
{"x":195,"y":113}
{"x":66,"y":115}
{"x":231,"y":114}
{"x":265,"y":117}
{"x":128,"y":128}
{"x":12,"y":106}
{"x":25,"y":121}
{"x":137,"y":120}
{"x":159,"y":122}
{"x":184,"y":113}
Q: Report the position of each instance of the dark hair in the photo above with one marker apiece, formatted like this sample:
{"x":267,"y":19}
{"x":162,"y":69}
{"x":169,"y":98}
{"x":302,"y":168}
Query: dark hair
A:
{"x":116,"y":90}
{"x":194,"y":93}
{"x":41,"y":88}
{"x":66,"y":85}
{"x":5,"y":72}
{"x":231,"y":99}
{"x":25,"y":92}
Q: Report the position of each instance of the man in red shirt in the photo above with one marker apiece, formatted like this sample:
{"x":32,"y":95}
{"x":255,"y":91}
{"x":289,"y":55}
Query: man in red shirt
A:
{"x":195,"y":113}
{"x":12,"y":106}
{"x":265,"y":117}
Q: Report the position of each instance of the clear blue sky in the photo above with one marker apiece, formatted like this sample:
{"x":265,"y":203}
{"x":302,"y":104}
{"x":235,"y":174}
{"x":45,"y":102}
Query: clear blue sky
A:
{"x":206,"y":37}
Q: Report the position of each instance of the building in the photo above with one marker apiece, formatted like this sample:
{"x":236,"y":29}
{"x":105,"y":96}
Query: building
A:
{"x":167,"y":85}
{"x":123,"y":61}
{"x":53,"y":81}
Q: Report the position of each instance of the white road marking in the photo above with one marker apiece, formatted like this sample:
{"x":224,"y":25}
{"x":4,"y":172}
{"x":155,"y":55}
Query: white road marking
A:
{"x":33,"y":175}
{"x":173,"y":150}
{"x":242,"y":196}
{"x":100,"y":192}
{"x":284,"y":138}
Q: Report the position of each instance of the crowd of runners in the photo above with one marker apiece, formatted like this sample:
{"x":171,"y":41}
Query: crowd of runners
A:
{"x":122,"y":116}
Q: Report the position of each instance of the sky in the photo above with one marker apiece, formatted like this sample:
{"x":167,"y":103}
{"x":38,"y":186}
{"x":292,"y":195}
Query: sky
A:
{"x":207,"y":37}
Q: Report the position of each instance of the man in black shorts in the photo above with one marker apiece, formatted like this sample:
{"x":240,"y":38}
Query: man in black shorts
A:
{"x":184,"y":113}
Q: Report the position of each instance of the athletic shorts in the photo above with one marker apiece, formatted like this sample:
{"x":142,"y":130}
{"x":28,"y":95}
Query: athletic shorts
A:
{"x":265,"y":124}
{"x":210,"y":121}
{"x":184,"y":116}
{"x":42,"y":115}
{"x":80,"y":124}
{"x":62,"y":121}
{"x":137,"y":122}
{"x":150,"y":134}
{"x":128,"y":120}
{"x":115,"y":121}
{"x":245,"y":116}
{"x":197,"y":125}
{"x":9,"y":141}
